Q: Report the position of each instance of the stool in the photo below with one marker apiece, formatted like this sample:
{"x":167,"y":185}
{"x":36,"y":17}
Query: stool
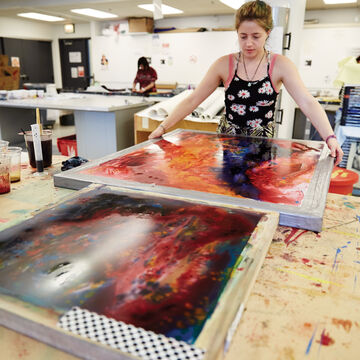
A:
{"x":342,"y":181}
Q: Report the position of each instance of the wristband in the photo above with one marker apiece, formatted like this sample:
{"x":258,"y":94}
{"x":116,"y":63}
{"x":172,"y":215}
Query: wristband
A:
{"x":330,"y":137}
{"x":163,"y":127}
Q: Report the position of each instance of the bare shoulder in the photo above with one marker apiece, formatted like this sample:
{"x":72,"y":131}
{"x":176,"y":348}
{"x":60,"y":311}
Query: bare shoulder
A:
{"x":283,"y":67}
{"x":223,"y":60}
{"x":282,"y":61}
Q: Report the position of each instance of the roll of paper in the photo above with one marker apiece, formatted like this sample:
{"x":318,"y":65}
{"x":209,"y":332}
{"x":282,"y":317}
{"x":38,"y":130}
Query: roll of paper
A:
{"x":164,"y":108}
{"x":202,"y":108}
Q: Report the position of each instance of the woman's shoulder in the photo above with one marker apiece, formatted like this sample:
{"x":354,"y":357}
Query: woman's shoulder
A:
{"x":279,"y":59}
{"x":226,"y":59}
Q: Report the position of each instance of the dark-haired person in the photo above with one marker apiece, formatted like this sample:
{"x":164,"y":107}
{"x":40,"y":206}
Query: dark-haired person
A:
{"x":358,"y":59}
{"x":145,"y":76}
{"x":252,"y":79}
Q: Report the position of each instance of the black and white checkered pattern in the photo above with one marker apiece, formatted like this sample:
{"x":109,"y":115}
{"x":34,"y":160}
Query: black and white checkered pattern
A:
{"x":129,"y":339}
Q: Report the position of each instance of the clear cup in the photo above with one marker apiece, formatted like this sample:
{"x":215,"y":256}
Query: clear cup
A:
{"x":3,"y":145}
{"x":46,"y":147}
{"x":15,"y":162}
{"x":4,"y":173}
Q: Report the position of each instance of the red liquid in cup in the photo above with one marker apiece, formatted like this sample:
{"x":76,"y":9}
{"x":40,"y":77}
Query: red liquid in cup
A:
{"x":4,"y":183}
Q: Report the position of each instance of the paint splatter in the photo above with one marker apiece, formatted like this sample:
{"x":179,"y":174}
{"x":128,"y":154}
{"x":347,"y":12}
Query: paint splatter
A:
{"x":308,"y":348}
{"x":276,"y":171}
{"x":346,"y":324}
{"x":289,"y":239}
{"x":289,"y":257}
{"x":325,"y":339}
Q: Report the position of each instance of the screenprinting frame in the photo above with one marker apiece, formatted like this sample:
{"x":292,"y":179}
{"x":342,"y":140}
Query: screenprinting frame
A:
{"x":306,"y":216}
{"x":42,"y":325}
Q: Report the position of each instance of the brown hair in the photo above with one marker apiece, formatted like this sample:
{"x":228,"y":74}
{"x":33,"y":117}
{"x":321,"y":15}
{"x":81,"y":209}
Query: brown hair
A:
{"x":257,"y":11}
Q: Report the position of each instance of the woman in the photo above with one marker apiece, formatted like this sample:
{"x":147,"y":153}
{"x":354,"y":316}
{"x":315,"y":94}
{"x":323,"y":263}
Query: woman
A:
{"x":145,"y":76}
{"x":252,"y":79}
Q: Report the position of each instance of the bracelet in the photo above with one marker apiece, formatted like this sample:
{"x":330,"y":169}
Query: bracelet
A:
{"x":330,"y":137}
{"x":163,"y":127}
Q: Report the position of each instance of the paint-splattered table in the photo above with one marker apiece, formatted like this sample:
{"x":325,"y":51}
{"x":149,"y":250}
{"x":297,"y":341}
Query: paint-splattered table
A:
{"x":31,"y":193}
{"x":305,"y":303}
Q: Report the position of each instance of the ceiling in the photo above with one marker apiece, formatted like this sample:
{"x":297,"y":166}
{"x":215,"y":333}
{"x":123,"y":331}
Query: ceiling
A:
{"x":128,"y":8}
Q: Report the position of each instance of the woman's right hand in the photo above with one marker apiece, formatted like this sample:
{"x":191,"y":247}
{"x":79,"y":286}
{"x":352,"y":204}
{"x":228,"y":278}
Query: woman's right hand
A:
{"x":158,"y":132}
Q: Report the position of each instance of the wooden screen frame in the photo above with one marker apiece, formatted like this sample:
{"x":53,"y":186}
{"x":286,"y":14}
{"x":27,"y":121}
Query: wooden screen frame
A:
{"x":41,"y":324}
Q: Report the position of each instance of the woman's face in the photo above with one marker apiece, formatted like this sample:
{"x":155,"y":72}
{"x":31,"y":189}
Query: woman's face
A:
{"x":141,"y":67}
{"x":252,"y":38}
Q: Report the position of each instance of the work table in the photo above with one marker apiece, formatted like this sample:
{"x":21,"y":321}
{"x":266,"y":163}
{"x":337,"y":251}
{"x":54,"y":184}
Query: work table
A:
{"x":305,"y":302}
{"x":72,"y":101}
{"x":104,"y":124}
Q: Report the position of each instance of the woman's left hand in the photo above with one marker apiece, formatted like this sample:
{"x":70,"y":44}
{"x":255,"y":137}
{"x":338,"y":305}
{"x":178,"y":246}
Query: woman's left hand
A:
{"x":336,"y":150}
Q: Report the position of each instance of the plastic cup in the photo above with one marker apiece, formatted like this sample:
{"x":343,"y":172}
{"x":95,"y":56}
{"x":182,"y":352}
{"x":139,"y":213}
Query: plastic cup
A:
{"x":3,"y":145}
{"x":46,"y":147}
{"x":4,"y":173}
{"x":15,"y":162}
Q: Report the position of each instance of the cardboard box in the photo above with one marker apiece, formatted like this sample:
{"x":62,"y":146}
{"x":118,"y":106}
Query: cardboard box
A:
{"x":9,"y":78}
{"x":141,"y":25}
{"x":4,"y":60}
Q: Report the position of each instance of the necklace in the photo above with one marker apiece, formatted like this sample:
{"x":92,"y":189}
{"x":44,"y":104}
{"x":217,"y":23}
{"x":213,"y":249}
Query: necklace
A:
{"x":246,"y":73}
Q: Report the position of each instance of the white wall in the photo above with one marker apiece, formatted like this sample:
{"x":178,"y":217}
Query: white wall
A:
{"x":25,"y":29}
{"x":186,"y":56}
{"x":334,"y":16}
{"x":325,"y":46}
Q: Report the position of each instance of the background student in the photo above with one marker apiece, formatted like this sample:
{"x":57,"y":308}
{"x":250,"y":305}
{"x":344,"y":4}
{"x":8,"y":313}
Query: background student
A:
{"x":145,"y":76}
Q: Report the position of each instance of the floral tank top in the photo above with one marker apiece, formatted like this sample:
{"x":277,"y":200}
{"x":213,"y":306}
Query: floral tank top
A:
{"x":249,"y":105}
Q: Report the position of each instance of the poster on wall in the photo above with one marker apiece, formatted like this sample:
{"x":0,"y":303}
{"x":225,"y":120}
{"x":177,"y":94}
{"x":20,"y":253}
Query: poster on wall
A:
{"x":15,"y":61}
{"x":81,"y":71}
{"x":74,"y":72}
{"x":104,"y":62}
{"x":75,"y":57}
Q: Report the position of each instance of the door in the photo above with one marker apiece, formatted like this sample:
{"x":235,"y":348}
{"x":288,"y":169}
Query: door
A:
{"x":74,"y":57}
{"x":35,"y":58}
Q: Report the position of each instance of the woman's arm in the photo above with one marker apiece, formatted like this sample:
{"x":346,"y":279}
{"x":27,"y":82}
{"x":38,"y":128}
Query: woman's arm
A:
{"x":286,"y":72}
{"x":216,"y":73}
{"x":148,"y":87}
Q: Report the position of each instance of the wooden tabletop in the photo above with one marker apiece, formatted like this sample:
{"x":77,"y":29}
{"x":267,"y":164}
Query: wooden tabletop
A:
{"x":305,"y":303}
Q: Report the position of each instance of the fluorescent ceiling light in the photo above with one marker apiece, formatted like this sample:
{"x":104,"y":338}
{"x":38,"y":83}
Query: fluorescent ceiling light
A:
{"x":235,"y":4}
{"x":42,"y":17}
{"x":166,"y":10}
{"x":94,"y":13}
{"x":331,"y":2}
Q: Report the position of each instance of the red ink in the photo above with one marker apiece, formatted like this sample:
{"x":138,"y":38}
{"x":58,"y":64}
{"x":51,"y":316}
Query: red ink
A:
{"x":325,"y":339}
{"x":289,"y":257}
{"x":288,"y":240}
